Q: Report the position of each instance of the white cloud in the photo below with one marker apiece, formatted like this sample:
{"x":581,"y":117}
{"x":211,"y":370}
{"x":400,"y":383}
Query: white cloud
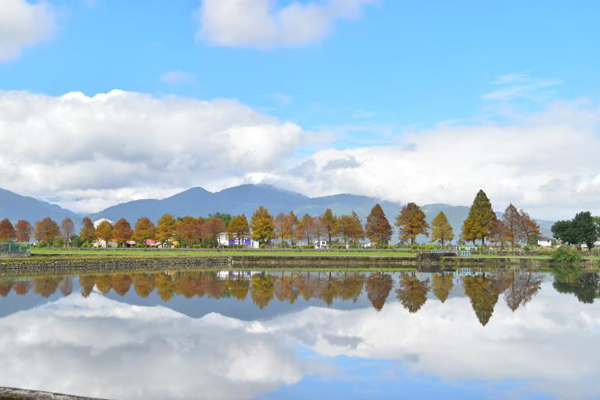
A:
{"x":95,"y":150}
{"x":178,"y":77}
{"x":87,"y":153}
{"x":262,"y":24}
{"x":521,"y":86}
{"x":547,"y":163}
{"x":23,"y":24}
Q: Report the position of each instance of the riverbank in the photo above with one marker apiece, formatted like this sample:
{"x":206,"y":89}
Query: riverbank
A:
{"x":111,"y":262}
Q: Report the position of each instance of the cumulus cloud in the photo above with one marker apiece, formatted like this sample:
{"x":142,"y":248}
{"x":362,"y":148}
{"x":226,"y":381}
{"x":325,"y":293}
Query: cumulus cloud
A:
{"x":262,"y":24}
{"x":23,"y":24}
{"x":546,"y":162}
{"x":91,"y":151}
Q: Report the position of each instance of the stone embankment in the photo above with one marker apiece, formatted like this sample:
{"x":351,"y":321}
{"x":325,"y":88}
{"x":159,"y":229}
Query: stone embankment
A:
{"x":61,"y":264}
{"x":23,"y":394}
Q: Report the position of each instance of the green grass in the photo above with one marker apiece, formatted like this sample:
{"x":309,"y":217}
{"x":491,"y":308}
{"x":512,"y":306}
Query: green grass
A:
{"x":216,"y":253}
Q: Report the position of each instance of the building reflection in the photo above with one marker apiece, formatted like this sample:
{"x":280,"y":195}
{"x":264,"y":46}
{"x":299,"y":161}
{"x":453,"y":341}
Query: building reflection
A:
{"x":413,"y":290}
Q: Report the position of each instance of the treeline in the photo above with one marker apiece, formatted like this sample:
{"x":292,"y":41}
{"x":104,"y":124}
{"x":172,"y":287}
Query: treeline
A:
{"x":481,"y":224}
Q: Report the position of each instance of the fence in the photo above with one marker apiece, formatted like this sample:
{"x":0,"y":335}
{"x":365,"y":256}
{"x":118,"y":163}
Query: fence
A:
{"x":14,"y":248}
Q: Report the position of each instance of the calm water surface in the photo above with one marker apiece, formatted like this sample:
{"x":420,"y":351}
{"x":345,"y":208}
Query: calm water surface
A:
{"x":304,"y":335}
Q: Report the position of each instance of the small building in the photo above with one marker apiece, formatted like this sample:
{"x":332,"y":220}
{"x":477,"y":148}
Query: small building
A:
{"x":321,"y":244}
{"x":103,"y":244}
{"x":224,"y":240}
{"x":544,"y":242}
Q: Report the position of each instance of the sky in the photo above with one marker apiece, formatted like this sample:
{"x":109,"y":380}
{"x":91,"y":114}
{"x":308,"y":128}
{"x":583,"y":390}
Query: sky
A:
{"x":105,"y":101}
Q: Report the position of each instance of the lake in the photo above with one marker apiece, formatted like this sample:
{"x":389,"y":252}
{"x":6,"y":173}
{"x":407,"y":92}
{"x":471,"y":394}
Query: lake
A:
{"x":304,"y":334}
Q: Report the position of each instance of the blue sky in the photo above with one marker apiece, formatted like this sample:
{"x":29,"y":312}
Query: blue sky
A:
{"x":380,"y":73}
{"x":401,"y":63}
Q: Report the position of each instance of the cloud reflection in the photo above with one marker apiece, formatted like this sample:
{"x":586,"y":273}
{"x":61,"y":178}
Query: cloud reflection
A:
{"x":105,"y":348}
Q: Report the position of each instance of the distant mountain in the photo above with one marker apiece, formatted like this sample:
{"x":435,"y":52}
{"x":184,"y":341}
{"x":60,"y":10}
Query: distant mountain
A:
{"x":242,"y":199}
{"x":16,"y":207}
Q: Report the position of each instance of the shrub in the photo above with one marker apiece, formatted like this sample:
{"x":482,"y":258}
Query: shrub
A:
{"x":566,"y":255}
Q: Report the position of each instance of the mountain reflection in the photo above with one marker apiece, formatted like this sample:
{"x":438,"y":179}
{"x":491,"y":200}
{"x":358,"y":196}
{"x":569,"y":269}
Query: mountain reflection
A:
{"x":412,"y":289}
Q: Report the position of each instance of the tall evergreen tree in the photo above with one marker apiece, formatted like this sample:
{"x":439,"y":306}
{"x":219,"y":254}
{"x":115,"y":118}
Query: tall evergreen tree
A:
{"x":441,"y":229}
{"x":512,"y":224}
{"x":87,"y":234}
{"x":378,"y":228}
{"x":327,"y":222}
{"x":262,"y":225}
{"x":7,"y":231}
{"x":411,"y":222}
{"x":481,"y":220}
{"x":23,"y":230}
{"x":165,"y":228}
{"x":144,"y":230}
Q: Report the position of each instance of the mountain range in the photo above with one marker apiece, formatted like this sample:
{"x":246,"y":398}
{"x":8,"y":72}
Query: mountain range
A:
{"x":243,"y":199}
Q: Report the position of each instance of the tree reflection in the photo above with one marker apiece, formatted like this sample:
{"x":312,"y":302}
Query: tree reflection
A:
{"x":143,"y":284}
{"x":45,"y":287}
{"x":22,"y":287}
{"x":238,"y":287}
{"x":165,"y":286}
{"x":87,"y":282}
{"x":412,"y":293}
{"x":121,"y":283}
{"x":442,"y":285}
{"x":378,"y":289}
{"x":482,"y":292}
{"x":5,"y":287}
{"x":584,"y":285}
{"x":262,"y":289}
{"x":104,"y":283}
{"x":66,"y":286}
{"x":522,"y":288}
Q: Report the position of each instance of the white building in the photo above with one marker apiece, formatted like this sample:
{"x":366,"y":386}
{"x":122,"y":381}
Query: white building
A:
{"x":544,"y":242}
{"x":224,"y":240}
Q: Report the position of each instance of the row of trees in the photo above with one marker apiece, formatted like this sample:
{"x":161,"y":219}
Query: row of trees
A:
{"x":46,"y":230}
{"x":482,"y":223}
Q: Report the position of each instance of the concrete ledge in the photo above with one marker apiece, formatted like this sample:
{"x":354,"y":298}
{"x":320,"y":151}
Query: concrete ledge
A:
{"x":12,"y":393}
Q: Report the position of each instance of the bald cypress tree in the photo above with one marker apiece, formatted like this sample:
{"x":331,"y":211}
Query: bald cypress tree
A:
{"x":480,"y":222}
{"x":441,"y":229}
{"x":378,"y":228}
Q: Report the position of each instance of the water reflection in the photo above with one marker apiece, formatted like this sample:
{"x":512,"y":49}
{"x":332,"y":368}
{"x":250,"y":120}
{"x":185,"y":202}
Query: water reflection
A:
{"x":447,"y":331}
{"x":413,"y":290}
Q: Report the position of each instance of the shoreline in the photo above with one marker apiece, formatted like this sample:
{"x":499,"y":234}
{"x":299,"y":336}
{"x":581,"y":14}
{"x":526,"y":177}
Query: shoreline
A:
{"x":73,"y":263}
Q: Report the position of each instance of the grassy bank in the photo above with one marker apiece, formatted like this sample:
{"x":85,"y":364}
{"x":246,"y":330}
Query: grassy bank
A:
{"x":218,"y":253}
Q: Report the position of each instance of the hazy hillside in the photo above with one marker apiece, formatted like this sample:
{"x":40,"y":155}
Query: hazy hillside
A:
{"x":16,"y":207}
{"x":242,"y":199}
